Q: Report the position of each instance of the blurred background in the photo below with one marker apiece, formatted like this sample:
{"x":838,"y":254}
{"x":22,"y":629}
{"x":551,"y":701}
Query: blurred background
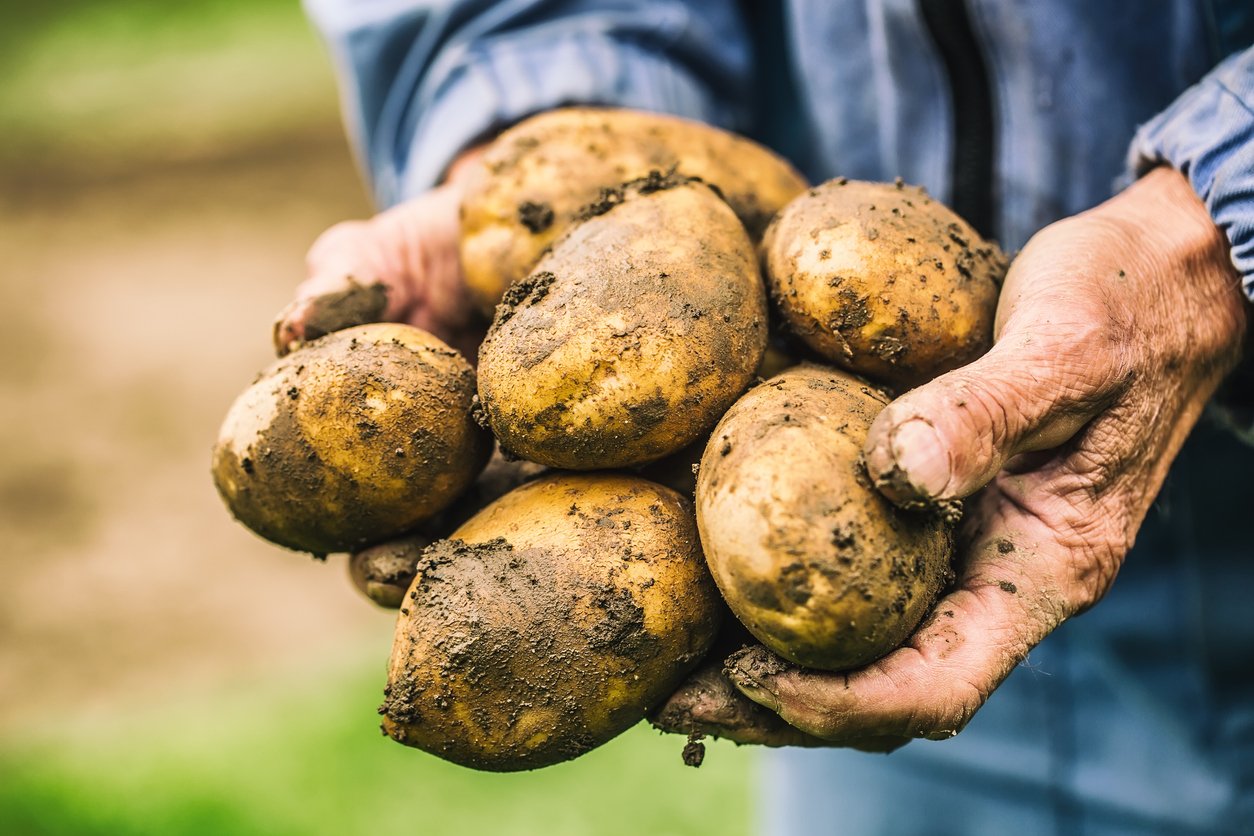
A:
{"x":163,"y":167}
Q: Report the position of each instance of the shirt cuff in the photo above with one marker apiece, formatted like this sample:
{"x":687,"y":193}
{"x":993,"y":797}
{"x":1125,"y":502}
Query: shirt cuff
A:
{"x":1207,"y":134}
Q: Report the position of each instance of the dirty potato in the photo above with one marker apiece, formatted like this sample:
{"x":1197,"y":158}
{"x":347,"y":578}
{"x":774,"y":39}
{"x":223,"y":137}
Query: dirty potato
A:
{"x":883,"y":280}
{"x":351,"y":440}
{"x":536,"y":177}
{"x":549,"y":623}
{"x":384,"y":572}
{"x":632,"y":336}
{"x":818,"y":565}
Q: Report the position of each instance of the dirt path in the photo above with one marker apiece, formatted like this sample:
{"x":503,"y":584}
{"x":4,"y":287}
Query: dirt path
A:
{"x":135,"y":306}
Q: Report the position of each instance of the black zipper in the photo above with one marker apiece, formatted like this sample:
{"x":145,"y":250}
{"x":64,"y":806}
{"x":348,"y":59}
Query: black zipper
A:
{"x":971,"y":166}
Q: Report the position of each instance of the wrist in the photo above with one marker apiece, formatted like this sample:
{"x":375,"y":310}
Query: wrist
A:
{"x":1182,"y":259}
{"x":1180,"y":241}
{"x":1171,"y":229}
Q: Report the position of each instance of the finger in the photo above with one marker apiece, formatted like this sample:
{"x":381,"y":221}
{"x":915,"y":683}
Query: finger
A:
{"x":948,"y":438}
{"x":348,"y":303}
{"x":934,"y":685}
{"x":409,"y":250}
{"x":350,"y":282}
{"x":729,"y":715}
{"x":423,"y":269}
{"x":707,"y":704}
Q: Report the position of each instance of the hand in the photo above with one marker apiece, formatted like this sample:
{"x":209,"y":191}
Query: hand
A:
{"x":399,"y":266}
{"x":1114,"y":328}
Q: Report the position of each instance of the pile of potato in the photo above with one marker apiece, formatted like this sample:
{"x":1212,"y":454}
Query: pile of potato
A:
{"x":552,"y":594}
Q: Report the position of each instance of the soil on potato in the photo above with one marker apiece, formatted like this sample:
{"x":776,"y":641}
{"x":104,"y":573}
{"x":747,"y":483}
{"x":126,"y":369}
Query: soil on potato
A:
{"x":363,"y":301}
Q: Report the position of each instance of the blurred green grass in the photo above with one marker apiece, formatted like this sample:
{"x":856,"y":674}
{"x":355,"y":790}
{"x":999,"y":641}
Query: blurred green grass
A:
{"x":302,"y":754}
{"x":91,"y":83}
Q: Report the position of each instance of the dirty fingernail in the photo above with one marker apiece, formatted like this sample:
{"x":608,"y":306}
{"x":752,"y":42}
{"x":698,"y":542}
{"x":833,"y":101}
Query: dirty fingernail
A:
{"x":757,"y":692}
{"x":922,"y":457}
{"x":752,"y":671}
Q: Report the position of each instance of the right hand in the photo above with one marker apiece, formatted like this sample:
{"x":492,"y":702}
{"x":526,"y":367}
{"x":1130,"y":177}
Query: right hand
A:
{"x":410,"y":251}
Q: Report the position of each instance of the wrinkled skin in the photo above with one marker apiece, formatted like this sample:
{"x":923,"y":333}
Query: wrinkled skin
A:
{"x":1113,"y":330}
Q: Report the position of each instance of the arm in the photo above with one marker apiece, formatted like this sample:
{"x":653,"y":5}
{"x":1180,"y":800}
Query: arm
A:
{"x":421,"y":85}
{"x":1208,"y":135}
{"x":1114,"y":329}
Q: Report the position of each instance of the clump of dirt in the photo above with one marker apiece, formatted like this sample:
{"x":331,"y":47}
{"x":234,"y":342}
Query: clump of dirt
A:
{"x":694,"y":751}
{"x":523,"y":293}
{"x":760,"y":663}
{"x":358,"y":304}
{"x":606,"y":200}
{"x":654,"y":181}
{"x":537,"y":217}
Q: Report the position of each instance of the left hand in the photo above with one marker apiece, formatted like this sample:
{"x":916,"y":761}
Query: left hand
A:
{"x":1113,"y":330}
{"x":401,"y":265}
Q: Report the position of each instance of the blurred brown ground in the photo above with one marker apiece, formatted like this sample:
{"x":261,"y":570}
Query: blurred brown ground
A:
{"x":136,"y":292}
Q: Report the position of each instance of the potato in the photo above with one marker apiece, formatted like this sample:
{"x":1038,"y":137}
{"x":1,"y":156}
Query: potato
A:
{"x":809,"y":556}
{"x":351,"y":440}
{"x":634,"y":334}
{"x":883,"y":281}
{"x":537,"y":176}
{"x":384,"y":572}
{"x":551,"y":621}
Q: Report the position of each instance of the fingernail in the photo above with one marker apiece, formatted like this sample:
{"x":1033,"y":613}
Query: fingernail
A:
{"x":758,"y":688}
{"x":759,"y":694}
{"x":920,"y":455}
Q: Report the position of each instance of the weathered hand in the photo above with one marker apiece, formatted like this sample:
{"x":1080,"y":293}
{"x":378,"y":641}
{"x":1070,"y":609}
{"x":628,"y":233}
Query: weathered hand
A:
{"x":1114,"y":328}
{"x":399,"y":266}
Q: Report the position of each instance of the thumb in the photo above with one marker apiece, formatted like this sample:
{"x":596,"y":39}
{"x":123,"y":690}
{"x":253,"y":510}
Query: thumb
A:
{"x":948,"y":438}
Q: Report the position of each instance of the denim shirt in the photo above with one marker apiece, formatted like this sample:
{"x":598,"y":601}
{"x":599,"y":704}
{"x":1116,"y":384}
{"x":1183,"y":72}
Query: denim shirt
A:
{"x":843,"y":88}
{"x":1135,"y":717}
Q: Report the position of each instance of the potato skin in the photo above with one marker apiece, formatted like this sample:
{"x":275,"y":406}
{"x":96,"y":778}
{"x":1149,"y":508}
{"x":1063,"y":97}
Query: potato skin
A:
{"x":549,"y":623}
{"x":536,"y":177}
{"x":353,"y":439}
{"x":384,"y":572}
{"x":883,"y":281}
{"x":639,"y":328}
{"x":809,"y":556}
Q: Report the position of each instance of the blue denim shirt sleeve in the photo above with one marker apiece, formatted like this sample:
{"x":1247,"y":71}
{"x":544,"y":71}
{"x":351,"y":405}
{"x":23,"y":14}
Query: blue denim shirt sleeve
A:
{"x":1208,"y":135}
{"x":422,"y":80}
